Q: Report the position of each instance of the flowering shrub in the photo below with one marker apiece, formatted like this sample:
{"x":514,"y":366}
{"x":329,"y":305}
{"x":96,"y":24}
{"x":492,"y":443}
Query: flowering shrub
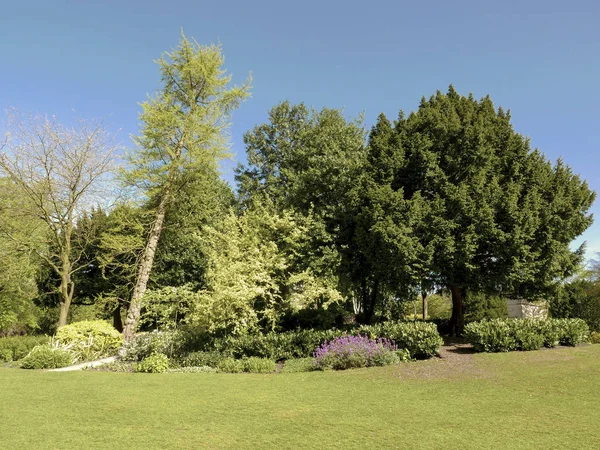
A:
{"x":348,"y":352}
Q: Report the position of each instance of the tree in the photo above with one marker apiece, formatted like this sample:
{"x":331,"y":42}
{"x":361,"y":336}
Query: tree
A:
{"x":259,"y":270}
{"x":61,"y":171}
{"x":495,"y":216}
{"x":183,"y":130}
{"x":19,"y":263}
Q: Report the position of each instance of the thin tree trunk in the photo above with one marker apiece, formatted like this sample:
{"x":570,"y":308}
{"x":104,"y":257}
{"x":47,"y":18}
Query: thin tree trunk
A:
{"x":133,"y":313}
{"x":424,"y":297}
{"x":66,"y":289}
{"x":457,"y":320}
{"x":117,"y":320}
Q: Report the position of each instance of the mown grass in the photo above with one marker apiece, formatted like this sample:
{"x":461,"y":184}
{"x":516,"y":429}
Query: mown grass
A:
{"x":541,"y":399}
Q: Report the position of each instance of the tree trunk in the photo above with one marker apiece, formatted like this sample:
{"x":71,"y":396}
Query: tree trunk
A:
{"x":117,"y":320}
{"x":424,"y":297}
{"x":457,"y":320}
{"x":133,"y":313}
{"x":66,"y":289}
{"x":370,"y":301}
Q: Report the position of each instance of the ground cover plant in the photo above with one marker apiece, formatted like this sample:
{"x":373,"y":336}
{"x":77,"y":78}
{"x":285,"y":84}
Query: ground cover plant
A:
{"x":495,"y":397}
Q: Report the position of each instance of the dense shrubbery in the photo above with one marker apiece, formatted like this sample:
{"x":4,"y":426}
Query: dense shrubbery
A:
{"x":155,"y":363}
{"x":14,"y":348}
{"x":47,"y":357}
{"x":421,"y":339}
{"x":349,"y":352}
{"x":595,"y":337}
{"x":89,"y":340}
{"x":169,"y":343}
{"x":503,"y":335}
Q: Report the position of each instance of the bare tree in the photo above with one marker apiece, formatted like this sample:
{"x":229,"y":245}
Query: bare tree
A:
{"x":62,"y":172}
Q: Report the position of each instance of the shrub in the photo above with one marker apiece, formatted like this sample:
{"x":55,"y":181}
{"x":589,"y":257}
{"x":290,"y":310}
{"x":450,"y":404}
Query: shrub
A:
{"x":259,"y":365}
{"x":299,"y":365}
{"x":90,"y":339}
{"x":155,"y":363}
{"x":14,"y":348}
{"x":524,"y":334}
{"x":595,"y":337}
{"x":348,"y":352}
{"x":47,"y":357}
{"x":200,"y":369}
{"x":527,"y":333}
{"x":480,"y":306}
{"x":421,"y":339}
{"x":200,"y":359}
{"x":490,"y":336}
{"x":231,"y":365}
{"x":573,"y":331}
{"x":169,"y":343}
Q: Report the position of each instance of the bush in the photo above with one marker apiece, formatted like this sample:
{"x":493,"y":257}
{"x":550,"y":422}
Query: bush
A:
{"x":421,"y":339}
{"x":349,"y":352}
{"x":573,"y":331}
{"x":231,"y":365}
{"x":90,"y":339}
{"x":14,"y":348}
{"x":500,"y":335}
{"x":155,"y":363}
{"x":595,"y":337}
{"x":299,"y":365}
{"x":259,"y":365}
{"x":528,"y":334}
{"x":200,"y":359}
{"x":169,"y":343}
{"x":47,"y":357}
{"x":490,"y":336}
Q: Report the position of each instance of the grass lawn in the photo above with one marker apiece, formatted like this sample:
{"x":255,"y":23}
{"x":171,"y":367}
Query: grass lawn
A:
{"x":544,"y":399}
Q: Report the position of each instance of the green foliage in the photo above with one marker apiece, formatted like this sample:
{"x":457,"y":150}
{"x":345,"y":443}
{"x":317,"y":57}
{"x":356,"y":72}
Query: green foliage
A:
{"x":145,"y":344}
{"x":231,"y":365}
{"x":14,"y":348}
{"x":20,"y":237}
{"x":90,"y":340}
{"x":167,"y":307}
{"x":480,"y":306}
{"x":47,"y":357}
{"x":258,"y":271}
{"x":200,"y":359}
{"x":184,"y":123}
{"x":579,"y":298}
{"x":259,"y":365}
{"x":595,"y":337}
{"x":155,"y":363}
{"x":498,"y":335}
{"x":420,"y":339}
{"x":490,"y":336}
{"x":573,"y":331}
{"x":299,"y":365}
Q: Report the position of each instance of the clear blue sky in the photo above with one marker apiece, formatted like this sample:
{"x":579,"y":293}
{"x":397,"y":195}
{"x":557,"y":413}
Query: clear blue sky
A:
{"x":541,"y":59}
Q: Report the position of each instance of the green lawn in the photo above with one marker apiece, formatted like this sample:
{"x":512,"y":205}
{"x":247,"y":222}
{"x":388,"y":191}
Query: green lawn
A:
{"x":545,"y":399}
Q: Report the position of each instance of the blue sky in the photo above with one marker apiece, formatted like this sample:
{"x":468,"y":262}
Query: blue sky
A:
{"x":541,"y":59}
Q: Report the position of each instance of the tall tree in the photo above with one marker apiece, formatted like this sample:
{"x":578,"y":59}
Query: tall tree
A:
{"x":497,"y":215}
{"x":306,"y":161}
{"x":61,"y":171}
{"x":183,"y":130}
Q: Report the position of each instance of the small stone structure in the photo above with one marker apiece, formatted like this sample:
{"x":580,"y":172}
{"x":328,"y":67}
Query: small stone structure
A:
{"x":522,"y":309}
